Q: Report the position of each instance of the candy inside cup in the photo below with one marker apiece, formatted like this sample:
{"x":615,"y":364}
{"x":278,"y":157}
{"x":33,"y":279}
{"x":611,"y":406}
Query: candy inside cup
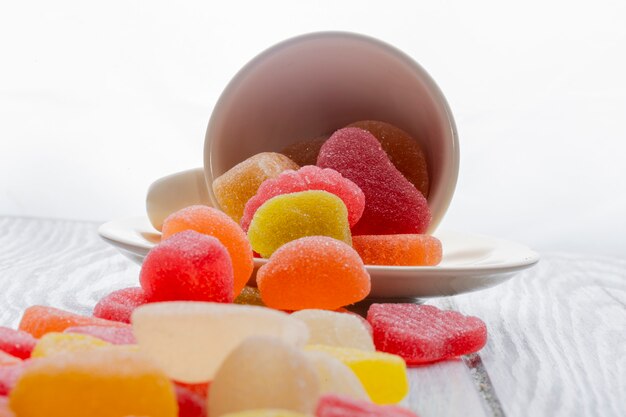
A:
{"x":317,"y":83}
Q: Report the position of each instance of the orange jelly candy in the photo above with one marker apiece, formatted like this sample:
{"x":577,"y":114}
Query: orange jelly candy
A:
{"x":398,"y":250}
{"x":239,"y":184}
{"x":212,"y":222}
{"x":404,"y":152}
{"x":104,"y":382}
{"x":39,"y":320}
{"x":313,"y":272}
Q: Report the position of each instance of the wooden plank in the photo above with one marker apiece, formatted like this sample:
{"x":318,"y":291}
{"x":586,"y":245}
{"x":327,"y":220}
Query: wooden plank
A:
{"x":59,"y":263}
{"x":557,"y":337}
{"x":444,"y":389}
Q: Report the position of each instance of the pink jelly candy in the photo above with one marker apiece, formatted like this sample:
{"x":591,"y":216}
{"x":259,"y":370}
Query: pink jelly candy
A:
{"x":423,"y":333}
{"x":190,"y":403}
{"x":119,"y":305}
{"x":188,"y":266}
{"x":308,"y":178}
{"x":9,"y":376}
{"x":113,"y":335}
{"x":392,"y":204}
{"x":16,"y":342}
{"x":7,"y":359}
{"x":5,"y":411}
{"x":332,"y":405}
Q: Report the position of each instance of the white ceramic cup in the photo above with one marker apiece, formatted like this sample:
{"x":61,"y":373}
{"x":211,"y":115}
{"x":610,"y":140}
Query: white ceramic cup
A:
{"x":317,"y":83}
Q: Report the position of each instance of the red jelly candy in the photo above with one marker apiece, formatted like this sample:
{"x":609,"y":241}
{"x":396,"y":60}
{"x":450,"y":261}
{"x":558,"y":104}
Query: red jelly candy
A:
{"x":188,"y":266}
{"x":392,"y":204}
{"x":423,"y":334}
{"x":213,"y":222}
{"x":119,"y":305}
{"x":113,"y":335}
{"x":304,"y":179}
{"x":16,"y":342}
{"x":190,"y":403}
{"x":331,"y":405}
{"x":201,"y":389}
{"x":404,"y":152}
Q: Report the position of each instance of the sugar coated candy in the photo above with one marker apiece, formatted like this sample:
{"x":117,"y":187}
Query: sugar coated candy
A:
{"x":305,"y":152}
{"x":188,"y":266}
{"x":335,"y":329}
{"x":113,"y":335}
{"x":383,"y":375}
{"x":313,"y":272}
{"x":308,"y":178}
{"x":189,"y":340}
{"x":288,"y":217}
{"x":119,"y":304}
{"x":236,"y":186}
{"x":264,"y":372}
{"x":392,"y":204}
{"x":190,"y":403}
{"x":7,"y":359}
{"x":335,"y":377}
{"x":100,"y":383}
{"x":212,"y":222}
{"x":331,"y":405}
{"x":52,"y":344}
{"x":398,"y":250}
{"x":16,"y":342}
{"x":266,"y":412}
{"x":39,"y":320}
{"x":403,"y":151}
{"x":423,"y":333}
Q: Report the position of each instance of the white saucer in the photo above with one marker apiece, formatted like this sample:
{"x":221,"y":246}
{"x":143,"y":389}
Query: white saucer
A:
{"x":470,"y":262}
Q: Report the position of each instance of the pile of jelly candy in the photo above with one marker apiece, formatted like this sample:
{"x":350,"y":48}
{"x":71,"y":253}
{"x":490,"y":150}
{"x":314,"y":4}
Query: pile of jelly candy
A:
{"x":200,"y":358}
{"x":203,"y":336}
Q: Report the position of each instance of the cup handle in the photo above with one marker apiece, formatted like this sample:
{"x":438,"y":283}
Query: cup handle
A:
{"x":174,"y":192}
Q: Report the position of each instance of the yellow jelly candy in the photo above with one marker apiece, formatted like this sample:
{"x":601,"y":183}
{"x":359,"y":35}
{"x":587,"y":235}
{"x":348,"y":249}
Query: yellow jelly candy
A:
{"x":239,"y":184}
{"x":57,"y":343}
{"x":99,"y":383}
{"x":383,"y":375}
{"x":267,"y":412}
{"x":288,"y":217}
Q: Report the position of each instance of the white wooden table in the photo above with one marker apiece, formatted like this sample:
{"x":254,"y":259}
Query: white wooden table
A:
{"x":557,"y":332}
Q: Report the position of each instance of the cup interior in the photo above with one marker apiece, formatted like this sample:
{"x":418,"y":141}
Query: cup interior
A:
{"x":315,"y":84}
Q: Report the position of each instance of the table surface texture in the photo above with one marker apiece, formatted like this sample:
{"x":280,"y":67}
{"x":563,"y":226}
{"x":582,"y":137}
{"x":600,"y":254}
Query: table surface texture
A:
{"x":557,"y":332}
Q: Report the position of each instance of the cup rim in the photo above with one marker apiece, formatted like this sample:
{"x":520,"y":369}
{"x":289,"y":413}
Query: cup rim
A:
{"x":450,"y":176}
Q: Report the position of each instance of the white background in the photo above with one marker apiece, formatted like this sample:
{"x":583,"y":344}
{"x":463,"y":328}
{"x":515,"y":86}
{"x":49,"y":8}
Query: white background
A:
{"x":98,"y":99}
